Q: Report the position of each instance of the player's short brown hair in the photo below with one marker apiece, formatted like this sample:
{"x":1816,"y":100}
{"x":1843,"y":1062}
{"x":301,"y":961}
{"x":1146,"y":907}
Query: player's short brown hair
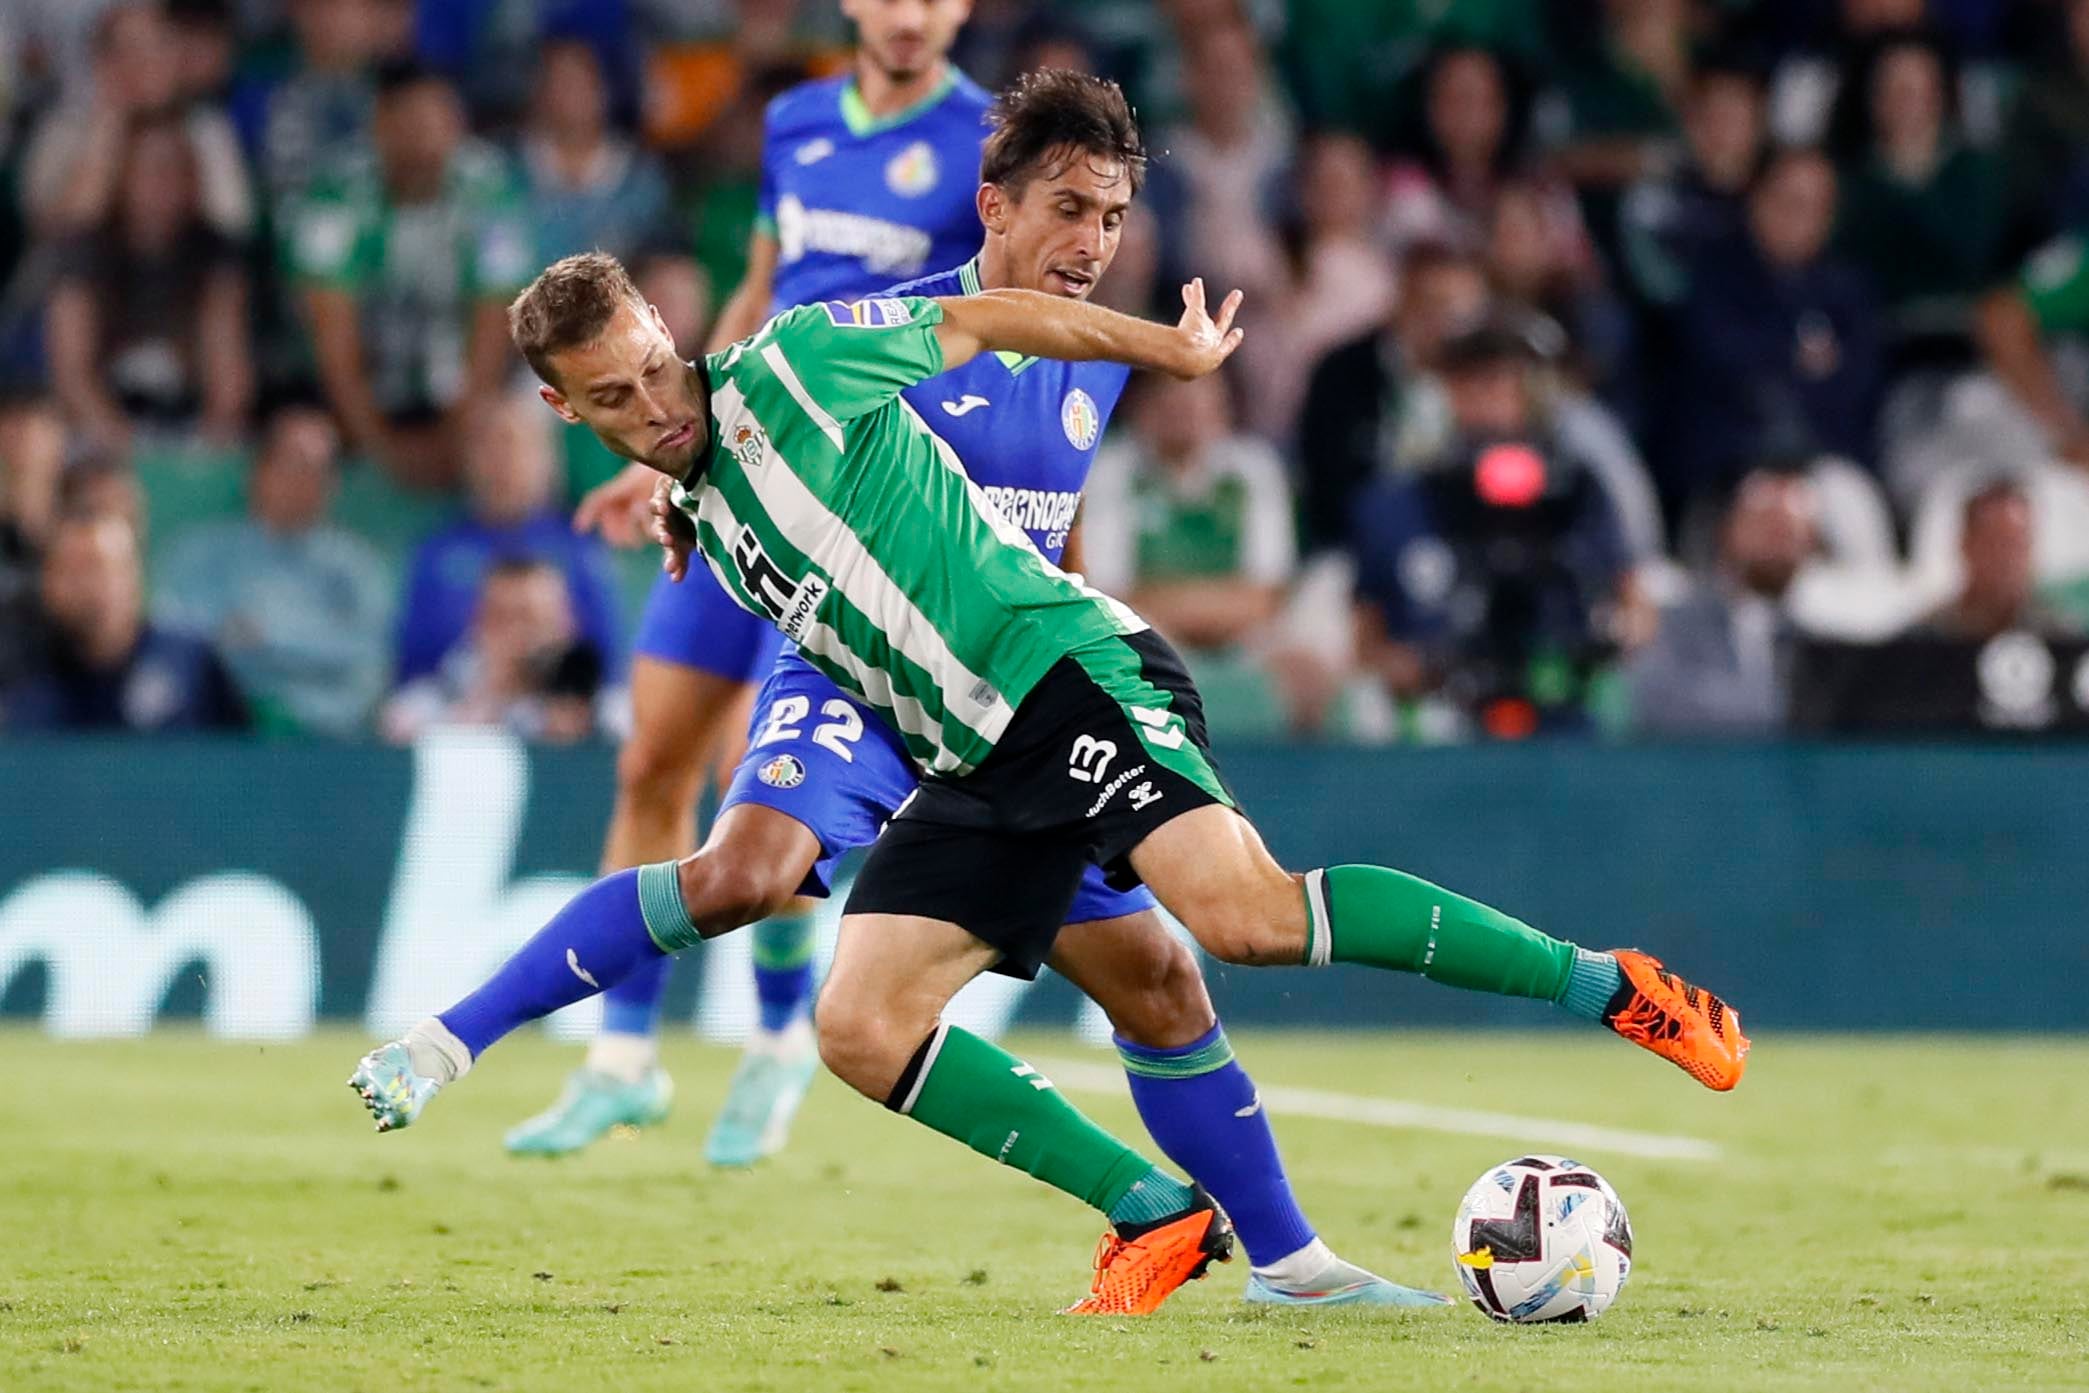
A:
{"x":568,"y":306}
{"x":1050,"y":118}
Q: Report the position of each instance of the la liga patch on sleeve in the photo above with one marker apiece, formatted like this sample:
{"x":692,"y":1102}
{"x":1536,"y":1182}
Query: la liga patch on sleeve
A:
{"x":869,"y":314}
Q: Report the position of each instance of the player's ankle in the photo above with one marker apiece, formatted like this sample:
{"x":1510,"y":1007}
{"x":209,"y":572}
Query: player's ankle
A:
{"x":624,"y":1057}
{"x":435,"y":1053}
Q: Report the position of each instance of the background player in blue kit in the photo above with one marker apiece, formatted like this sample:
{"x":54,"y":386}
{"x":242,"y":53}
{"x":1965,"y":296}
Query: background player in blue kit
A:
{"x":867,"y":178}
{"x":823,"y":773}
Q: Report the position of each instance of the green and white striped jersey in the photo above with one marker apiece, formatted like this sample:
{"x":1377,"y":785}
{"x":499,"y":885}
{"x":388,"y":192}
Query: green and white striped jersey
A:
{"x":828,"y":507}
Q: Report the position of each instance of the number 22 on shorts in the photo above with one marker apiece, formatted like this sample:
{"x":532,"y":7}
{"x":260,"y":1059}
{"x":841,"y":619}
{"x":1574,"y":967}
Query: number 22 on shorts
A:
{"x":839,"y":733}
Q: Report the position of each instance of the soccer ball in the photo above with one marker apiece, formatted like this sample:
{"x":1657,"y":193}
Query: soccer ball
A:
{"x":1542,"y":1238}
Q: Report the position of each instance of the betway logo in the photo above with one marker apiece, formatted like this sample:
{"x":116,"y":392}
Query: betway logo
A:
{"x":1036,"y":510}
{"x":887,"y":247}
{"x":1112,"y":788}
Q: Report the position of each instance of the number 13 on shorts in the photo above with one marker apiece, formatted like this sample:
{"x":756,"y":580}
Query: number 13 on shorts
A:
{"x":839,"y":730}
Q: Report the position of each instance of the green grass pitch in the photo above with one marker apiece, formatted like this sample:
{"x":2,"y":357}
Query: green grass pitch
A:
{"x":182,"y":1214}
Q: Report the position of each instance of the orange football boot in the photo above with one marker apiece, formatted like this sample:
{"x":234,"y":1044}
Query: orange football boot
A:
{"x":1686,"y":1025}
{"x":1139,"y":1266}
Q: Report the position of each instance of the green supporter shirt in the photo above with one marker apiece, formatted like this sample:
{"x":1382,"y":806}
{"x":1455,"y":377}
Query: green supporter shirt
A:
{"x":416,"y":271}
{"x":828,"y":507}
{"x":2055,"y":283}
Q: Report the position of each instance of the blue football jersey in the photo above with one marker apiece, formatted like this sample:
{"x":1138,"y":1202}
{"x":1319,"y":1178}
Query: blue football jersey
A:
{"x":855,"y":202}
{"x":1024,"y":428}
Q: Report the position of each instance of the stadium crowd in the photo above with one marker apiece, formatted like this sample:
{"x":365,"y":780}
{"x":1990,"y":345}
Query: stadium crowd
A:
{"x":1603,"y":355}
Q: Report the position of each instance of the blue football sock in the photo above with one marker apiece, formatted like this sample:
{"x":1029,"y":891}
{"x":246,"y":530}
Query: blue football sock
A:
{"x":783,"y":968}
{"x":1202,"y":1110}
{"x":609,"y":930}
{"x":632,"y":1006}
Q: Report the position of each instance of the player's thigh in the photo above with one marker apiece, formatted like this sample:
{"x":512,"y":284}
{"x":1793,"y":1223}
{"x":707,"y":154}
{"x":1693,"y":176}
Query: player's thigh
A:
{"x":821,"y":760}
{"x":891,"y":977}
{"x":750,"y":866}
{"x":1211,"y":870}
{"x":1146,"y":980}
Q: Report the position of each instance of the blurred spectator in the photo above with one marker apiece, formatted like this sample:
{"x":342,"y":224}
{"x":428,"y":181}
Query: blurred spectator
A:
{"x":1720,"y":663}
{"x":407,"y":259}
{"x":1217,"y":190}
{"x":522,"y":669}
{"x":1819,"y":94}
{"x":1338,"y":284}
{"x":1921,"y":211}
{"x":105,"y":485}
{"x":1188,"y":520}
{"x":589,"y":187}
{"x":1471,"y":139}
{"x":1343,"y":57}
{"x":205,"y":47}
{"x":2045,"y":143}
{"x":1669,"y":220}
{"x":102,"y":666}
{"x":314,"y":116}
{"x":74,"y":167}
{"x":1372,"y":405}
{"x":147,"y":323}
{"x":1997,"y":593}
{"x":298,"y":607}
{"x":509,"y":475}
{"x":1621,"y":97}
{"x":1536,"y":273}
{"x":1494,"y":577}
{"x":1780,"y":341}
{"x":32,"y":452}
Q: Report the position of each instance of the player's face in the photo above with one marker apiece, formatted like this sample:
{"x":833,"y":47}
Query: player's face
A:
{"x":1062,"y":232}
{"x":905,"y":38}
{"x":634,"y":392}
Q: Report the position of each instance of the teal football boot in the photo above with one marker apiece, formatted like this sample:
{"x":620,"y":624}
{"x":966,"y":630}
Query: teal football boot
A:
{"x":766,"y":1090}
{"x":389,"y":1087}
{"x":1362,"y":1289}
{"x":592,"y":1105}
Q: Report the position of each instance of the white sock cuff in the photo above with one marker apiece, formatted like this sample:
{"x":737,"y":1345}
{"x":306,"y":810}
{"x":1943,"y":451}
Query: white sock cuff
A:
{"x":436,"y":1053}
{"x":1300,"y":1268}
{"x":1320,"y":932}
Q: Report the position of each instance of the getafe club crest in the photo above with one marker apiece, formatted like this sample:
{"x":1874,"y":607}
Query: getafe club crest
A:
{"x":784,"y":771}
{"x":912,"y":172}
{"x":1079,"y":418}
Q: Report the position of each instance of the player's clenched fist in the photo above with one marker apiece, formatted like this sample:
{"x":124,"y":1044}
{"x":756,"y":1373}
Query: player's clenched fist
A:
{"x":672,"y":529}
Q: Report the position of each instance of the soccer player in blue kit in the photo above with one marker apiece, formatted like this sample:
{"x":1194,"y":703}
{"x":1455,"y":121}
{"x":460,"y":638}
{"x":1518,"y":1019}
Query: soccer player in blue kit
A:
{"x":867,"y":179}
{"x":822,"y":773}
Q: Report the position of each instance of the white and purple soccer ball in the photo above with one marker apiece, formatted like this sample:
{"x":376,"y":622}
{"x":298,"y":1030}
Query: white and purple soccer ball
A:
{"x":1542,"y":1238}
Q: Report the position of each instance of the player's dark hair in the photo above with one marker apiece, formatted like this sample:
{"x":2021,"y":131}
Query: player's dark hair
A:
{"x":568,"y":306}
{"x":1053,"y":117}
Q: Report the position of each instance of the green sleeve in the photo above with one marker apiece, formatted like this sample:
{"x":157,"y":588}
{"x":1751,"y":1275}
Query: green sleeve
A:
{"x":2055,"y":282}
{"x":853,"y":356}
{"x":329,"y":244}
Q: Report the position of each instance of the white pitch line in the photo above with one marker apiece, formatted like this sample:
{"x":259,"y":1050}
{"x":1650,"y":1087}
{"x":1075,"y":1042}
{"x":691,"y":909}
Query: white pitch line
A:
{"x":1393,"y":1112}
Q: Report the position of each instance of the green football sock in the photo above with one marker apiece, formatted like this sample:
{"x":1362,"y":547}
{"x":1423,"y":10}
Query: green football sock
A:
{"x":976,"y":1093}
{"x":1387,"y":918}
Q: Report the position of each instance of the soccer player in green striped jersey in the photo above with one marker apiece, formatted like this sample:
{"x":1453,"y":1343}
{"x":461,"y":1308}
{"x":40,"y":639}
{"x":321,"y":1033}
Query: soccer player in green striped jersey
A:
{"x":1054,"y":727}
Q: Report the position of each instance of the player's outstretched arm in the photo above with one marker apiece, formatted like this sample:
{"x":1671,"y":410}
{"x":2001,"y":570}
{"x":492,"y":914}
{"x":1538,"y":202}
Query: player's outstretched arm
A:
{"x":1038,"y":325}
{"x":743,"y":310}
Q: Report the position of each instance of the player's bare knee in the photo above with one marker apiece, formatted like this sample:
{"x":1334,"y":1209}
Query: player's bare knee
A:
{"x":858,"y":1044}
{"x":1169,"y":1007}
{"x":656,"y":777}
{"x":722,"y":892}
